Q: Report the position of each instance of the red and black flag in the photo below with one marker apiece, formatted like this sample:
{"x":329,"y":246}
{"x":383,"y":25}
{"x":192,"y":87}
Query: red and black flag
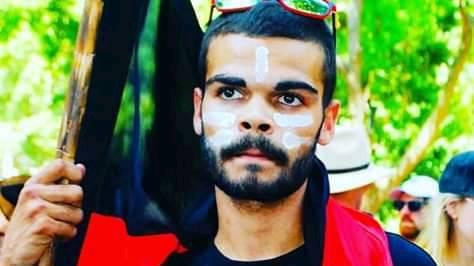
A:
{"x":136,"y":138}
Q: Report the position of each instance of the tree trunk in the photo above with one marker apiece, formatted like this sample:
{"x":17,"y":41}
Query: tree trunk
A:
{"x":357,"y":96}
{"x":431,"y":128}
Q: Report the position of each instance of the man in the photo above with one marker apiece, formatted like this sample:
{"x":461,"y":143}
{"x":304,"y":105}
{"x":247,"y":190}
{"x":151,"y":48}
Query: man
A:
{"x":348,"y":162}
{"x":268,"y":75}
{"x":351,"y":174}
{"x":411,"y":200}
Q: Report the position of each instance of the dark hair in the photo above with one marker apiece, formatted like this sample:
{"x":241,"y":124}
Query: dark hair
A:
{"x":270,"y":19}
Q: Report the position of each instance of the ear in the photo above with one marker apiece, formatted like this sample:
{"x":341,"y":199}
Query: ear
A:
{"x":329,"y":124}
{"x":452,"y":208}
{"x":197,"y":116}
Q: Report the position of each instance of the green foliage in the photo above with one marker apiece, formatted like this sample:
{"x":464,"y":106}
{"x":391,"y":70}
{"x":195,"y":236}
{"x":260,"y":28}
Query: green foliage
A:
{"x":407,"y":48}
{"x":146,"y":69}
{"x":36,"y":45}
{"x":407,"y":51}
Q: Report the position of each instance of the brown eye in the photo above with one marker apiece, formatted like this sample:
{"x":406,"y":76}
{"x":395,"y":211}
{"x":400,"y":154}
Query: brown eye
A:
{"x":230,"y":94}
{"x":290,"y":100}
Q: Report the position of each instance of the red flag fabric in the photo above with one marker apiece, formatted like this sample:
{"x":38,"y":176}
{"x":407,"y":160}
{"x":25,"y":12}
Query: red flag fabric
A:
{"x":108,"y":243}
{"x":352,"y":239}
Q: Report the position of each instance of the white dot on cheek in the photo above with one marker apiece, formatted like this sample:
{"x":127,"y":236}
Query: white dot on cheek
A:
{"x":292,"y":141}
{"x":219,"y":119}
{"x":222,"y":137}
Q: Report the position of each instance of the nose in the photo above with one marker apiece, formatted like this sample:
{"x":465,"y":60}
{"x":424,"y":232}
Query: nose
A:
{"x":255,"y":119}
{"x":255,"y":125}
{"x":405,"y":210}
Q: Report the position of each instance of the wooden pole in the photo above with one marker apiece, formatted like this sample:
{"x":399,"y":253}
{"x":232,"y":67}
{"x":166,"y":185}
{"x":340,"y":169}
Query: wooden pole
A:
{"x":76,"y":97}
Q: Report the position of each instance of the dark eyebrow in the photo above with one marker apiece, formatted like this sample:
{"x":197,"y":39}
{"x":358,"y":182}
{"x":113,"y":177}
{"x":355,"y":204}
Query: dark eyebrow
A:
{"x":287,"y":85}
{"x":227,"y":80}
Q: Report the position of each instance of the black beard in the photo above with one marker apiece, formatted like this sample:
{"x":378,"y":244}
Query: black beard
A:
{"x":250,"y":188}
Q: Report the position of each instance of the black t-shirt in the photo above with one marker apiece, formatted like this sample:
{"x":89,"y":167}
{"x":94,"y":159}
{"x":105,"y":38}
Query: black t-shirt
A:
{"x":213,"y":257}
{"x":405,"y":253}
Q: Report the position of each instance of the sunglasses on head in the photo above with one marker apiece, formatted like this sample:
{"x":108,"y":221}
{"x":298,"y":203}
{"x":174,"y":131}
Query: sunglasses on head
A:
{"x":315,"y":9}
{"x":413,"y":205}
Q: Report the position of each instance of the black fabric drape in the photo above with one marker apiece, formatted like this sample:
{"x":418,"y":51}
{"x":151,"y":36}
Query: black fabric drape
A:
{"x":118,"y":32}
{"x":172,"y":158}
{"x":171,"y":151}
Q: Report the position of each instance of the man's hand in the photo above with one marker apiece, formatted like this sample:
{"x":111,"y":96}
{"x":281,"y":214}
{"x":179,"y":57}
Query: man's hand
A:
{"x":45,"y":210}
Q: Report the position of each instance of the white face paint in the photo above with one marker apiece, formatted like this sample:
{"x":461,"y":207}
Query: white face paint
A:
{"x":291,"y":121}
{"x":261,"y":63}
{"x":219,"y":119}
{"x":291,"y":141}
{"x":224,"y":122}
{"x":223,"y":137}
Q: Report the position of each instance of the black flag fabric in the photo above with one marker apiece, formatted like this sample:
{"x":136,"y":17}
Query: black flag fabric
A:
{"x":137,"y":129}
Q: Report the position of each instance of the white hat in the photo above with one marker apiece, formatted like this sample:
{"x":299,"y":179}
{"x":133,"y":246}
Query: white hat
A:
{"x":347,"y":159}
{"x":418,"y":186}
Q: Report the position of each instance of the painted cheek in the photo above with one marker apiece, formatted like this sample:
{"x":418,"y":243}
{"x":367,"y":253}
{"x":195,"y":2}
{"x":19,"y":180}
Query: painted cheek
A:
{"x":289,"y":123}
{"x":219,"y":119}
{"x":293,"y":121}
{"x":223,"y":137}
{"x":221,"y":127}
{"x":292,"y":141}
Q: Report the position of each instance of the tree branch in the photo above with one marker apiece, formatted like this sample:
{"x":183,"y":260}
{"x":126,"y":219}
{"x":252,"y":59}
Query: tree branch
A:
{"x":357,"y":97}
{"x":431,"y":128}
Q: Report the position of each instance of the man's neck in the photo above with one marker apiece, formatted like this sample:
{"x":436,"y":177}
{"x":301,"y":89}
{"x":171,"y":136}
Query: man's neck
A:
{"x":250,"y":231}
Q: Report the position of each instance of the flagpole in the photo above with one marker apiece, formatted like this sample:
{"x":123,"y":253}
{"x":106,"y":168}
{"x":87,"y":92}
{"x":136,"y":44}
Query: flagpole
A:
{"x":76,"y":97}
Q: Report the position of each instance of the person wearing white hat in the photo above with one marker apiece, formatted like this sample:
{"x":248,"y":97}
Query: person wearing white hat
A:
{"x":411,"y":200}
{"x":348,"y":161}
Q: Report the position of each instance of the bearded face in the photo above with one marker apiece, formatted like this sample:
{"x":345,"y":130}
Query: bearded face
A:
{"x":250,"y":183}
{"x":261,"y":115}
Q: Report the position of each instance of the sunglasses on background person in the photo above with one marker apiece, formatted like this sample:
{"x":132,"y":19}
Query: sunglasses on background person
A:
{"x":413,"y":205}
{"x":315,"y":9}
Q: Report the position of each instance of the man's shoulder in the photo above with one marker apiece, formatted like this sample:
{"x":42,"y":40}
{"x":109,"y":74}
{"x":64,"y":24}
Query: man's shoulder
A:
{"x":405,"y":253}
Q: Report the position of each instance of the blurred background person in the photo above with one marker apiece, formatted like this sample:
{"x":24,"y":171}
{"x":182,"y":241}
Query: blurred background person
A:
{"x":351,"y":174}
{"x":411,"y":200}
{"x":348,"y":161}
{"x":449,"y":236}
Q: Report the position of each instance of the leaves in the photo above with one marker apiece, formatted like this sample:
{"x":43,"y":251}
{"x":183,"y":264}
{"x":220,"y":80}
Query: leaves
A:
{"x":37,"y":40}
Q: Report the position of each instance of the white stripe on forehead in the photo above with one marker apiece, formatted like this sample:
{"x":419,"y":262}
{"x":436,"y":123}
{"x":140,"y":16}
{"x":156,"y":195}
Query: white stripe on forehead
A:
{"x":219,"y":119}
{"x":261,"y":63}
{"x":291,"y":141}
{"x":283,"y":120}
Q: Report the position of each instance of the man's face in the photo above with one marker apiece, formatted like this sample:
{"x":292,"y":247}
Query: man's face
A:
{"x":261,"y":114}
{"x":411,"y":222}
